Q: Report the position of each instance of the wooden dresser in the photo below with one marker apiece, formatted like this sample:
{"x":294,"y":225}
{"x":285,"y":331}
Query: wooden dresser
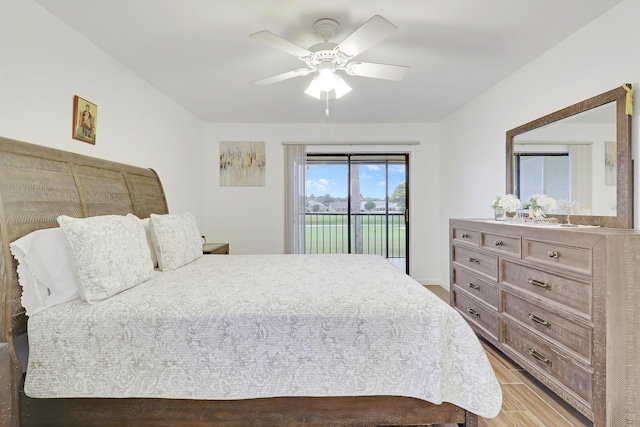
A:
{"x":563,"y":303}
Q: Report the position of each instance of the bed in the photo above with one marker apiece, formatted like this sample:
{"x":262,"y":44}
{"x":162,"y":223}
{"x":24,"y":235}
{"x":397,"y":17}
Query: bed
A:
{"x":39,"y":184}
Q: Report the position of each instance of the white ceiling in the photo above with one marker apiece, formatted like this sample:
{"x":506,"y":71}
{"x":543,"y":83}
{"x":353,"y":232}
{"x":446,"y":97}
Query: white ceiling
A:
{"x":198,"y":52}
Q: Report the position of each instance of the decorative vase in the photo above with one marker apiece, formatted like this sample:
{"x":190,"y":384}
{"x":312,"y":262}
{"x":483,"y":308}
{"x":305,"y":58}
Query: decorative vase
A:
{"x":499,"y":214}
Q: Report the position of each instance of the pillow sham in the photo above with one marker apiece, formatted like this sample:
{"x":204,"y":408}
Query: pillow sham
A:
{"x":145,"y":225}
{"x":109,"y":254}
{"x":44,"y":271}
{"x":176,"y":239}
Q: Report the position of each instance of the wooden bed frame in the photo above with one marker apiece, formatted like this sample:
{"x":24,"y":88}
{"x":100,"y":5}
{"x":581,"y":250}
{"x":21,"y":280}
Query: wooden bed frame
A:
{"x":37,"y":184}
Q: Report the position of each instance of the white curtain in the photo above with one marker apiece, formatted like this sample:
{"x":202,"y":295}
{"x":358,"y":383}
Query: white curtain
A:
{"x":580,"y":160}
{"x":295,"y":163}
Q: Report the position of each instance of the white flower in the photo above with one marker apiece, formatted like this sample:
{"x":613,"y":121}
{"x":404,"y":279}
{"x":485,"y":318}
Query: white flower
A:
{"x":543,"y":202}
{"x":508,"y":202}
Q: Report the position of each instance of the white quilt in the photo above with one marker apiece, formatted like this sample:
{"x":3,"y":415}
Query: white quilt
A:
{"x":238,"y":327}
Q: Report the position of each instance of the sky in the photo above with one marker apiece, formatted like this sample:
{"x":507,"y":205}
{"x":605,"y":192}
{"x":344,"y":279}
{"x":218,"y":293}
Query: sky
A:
{"x":332,"y":179}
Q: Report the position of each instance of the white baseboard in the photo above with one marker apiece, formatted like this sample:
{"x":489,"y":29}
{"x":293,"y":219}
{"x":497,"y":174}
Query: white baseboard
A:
{"x":433,"y":282}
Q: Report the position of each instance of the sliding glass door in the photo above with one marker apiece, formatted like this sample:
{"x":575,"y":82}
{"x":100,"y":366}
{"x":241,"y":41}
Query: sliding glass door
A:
{"x":358,"y":203}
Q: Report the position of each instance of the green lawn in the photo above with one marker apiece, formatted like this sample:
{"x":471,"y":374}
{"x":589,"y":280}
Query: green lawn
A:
{"x":327,"y":233}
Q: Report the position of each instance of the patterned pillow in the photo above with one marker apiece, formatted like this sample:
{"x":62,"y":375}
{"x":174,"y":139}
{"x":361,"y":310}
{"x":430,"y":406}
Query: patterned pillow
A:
{"x":176,"y":239}
{"x":145,"y":225}
{"x":110,"y":254}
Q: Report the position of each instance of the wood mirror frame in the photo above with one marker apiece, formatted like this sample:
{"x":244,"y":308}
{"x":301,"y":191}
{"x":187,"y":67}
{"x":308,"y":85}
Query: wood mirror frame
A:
{"x":624,"y":179}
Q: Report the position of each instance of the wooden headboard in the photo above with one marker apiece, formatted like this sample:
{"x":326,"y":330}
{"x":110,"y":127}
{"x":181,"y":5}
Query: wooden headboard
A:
{"x":37,"y":184}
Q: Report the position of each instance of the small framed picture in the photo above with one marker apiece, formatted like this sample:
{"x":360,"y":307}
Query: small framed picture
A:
{"x":85,"y":115}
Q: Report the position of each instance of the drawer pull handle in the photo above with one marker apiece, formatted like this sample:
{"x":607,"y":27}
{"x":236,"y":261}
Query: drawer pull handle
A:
{"x":553,"y":254}
{"x":497,"y":243}
{"x":540,"y":357}
{"x":474,"y":260}
{"x":473,"y":312}
{"x":465,"y":236}
{"x":473,"y":286}
{"x":539,"y":320}
{"x":538,"y":283}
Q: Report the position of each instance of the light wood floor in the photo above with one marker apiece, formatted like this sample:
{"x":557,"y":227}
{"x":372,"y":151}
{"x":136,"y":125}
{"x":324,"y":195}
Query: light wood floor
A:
{"x":525,"y":401}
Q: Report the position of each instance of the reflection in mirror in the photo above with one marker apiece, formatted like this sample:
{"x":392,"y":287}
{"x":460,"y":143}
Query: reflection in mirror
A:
{"x":572,"y":159}
{"x":580,"y":153}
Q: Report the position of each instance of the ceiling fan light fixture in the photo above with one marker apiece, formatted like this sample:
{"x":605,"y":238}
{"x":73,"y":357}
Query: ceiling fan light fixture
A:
{"x":342,"y":88}
{"x":326,"y":78}
{"x":314,"y":89}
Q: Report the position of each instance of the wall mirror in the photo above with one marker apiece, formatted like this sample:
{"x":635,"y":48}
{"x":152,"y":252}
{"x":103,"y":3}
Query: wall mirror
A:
{"x":580,"y":153}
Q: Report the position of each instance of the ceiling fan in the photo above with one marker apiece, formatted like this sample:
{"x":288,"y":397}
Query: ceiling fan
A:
{"x":326,"y":58}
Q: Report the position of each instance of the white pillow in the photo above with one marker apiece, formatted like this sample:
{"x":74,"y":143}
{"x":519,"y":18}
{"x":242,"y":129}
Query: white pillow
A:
{"x":110,"y":253}
{"x":44,"y":270}
{"x":145,"y":225}
{"x":176,"y":239}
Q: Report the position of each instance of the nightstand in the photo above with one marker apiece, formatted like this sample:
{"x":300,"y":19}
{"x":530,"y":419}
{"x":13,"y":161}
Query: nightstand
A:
{"x":215,"y":248}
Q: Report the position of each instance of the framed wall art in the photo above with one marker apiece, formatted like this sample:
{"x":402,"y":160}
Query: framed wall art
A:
{"x":85,"y":116}
{"x":242,"y":163}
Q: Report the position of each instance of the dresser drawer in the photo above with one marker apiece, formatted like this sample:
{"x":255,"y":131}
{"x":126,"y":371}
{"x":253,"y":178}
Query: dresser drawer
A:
{"x":465,"y":235}
{"x":570,"y":258}
{"x":479,"y":262}
{"x":501,"y":244}
{"x":480,"y":288}
{"x":477,"y":312}
{"x":549,"y":361}
{"x":568,"y":292}
{"x":576,"y":337}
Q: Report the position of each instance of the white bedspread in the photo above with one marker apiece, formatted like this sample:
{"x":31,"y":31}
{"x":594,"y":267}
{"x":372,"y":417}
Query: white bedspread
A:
{"x":237,"y":327}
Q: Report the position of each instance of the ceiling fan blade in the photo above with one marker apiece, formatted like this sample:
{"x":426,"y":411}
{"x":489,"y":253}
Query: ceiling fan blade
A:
{"x":284,"y":76}
{"x":371,"y":32}
{"x":274,"y":40}
{"x":377,"y":71}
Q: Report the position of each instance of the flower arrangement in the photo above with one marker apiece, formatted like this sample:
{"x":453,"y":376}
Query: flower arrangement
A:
{"x":504,"y":205}
{"x":539,"y":204}
{"x":508,"y":203}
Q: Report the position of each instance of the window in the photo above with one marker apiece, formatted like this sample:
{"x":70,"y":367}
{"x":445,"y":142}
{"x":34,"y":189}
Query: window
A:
{"x":357,"y":203}
{"x":542,"y":173}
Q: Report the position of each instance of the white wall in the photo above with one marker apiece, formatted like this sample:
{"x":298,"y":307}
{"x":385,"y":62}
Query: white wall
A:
{"x":597,"y":58}
{"x":44,"y":63}
{"x":456,"y":171}
{"x":252,"y":218}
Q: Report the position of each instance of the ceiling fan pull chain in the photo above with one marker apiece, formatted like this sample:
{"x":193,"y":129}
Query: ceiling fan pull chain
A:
{"x":326,"y":112}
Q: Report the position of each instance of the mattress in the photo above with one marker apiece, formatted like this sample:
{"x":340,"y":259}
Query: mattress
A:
{"x":254,"y":326}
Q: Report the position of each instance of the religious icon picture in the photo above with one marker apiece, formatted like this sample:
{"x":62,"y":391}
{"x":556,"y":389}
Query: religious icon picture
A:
{"x":85,"y":115}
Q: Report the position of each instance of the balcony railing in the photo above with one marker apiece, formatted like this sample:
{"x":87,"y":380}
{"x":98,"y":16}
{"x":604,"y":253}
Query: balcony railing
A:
{"x":371,"y":233}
